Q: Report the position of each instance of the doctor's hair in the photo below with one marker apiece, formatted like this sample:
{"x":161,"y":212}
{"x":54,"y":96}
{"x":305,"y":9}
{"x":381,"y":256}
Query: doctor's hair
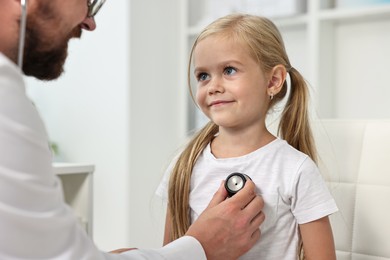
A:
{"x":264,"y":43}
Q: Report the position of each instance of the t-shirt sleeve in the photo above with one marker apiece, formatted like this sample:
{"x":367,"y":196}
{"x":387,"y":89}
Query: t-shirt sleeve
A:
{"x":162,"y":189}
{"x":311,"y":199}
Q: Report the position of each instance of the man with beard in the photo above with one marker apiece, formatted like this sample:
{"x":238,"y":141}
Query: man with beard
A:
{"x":35,"y":223}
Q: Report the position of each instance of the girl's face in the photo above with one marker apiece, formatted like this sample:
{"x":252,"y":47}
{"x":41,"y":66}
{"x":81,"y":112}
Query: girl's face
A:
{"x":231,"y":86}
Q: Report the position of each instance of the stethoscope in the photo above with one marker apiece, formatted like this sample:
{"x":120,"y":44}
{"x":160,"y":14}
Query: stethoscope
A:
{"x":22,"y":32}
{"x":235,"y":182}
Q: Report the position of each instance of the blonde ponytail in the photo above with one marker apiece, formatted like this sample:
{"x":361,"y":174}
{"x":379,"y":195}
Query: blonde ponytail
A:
{"x":294,"y":124}
{"x":179,"y":184}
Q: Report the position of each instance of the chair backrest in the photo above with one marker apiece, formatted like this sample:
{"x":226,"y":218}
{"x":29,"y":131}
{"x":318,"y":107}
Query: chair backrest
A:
{"x":355,"y":160}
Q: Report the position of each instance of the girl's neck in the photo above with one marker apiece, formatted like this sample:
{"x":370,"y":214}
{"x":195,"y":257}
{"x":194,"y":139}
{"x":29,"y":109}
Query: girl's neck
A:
{"x":229,"y":143}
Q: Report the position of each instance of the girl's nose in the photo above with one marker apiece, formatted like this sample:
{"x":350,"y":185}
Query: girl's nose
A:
{"x":88,"y":24}
{"x":215,"y":86}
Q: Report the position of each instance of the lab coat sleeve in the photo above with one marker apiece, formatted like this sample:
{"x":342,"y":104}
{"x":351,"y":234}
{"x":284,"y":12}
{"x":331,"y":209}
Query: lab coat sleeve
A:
{"x":184,"y":248}
{"x":35,"y":222}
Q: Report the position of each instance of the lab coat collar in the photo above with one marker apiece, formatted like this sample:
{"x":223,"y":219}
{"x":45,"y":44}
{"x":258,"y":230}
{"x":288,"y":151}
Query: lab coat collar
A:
{"x":11,"y":72}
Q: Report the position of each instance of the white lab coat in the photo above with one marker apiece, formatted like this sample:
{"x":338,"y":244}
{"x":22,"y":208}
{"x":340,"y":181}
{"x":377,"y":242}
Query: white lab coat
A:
{"x":35,"y":222}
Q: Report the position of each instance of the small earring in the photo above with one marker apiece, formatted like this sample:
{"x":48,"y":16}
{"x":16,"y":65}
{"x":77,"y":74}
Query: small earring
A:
{"x":271,"y":96}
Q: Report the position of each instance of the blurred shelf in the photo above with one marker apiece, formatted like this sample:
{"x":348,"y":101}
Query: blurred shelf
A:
{"x":77,"y":184}
{"x":356,"y":13}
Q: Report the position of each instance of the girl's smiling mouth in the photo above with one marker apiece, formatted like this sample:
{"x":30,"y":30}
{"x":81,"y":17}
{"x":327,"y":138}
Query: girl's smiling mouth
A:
{"x":219,"y":103}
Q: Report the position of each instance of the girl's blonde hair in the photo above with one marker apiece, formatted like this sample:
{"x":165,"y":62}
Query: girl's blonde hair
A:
{"x":265,"y":44}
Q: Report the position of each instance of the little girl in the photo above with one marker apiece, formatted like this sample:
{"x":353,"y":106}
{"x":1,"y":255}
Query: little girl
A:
{"x":241,"y":65}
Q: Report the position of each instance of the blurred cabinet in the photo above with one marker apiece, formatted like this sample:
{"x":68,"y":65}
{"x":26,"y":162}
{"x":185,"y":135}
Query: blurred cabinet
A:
{"x":340,"y":47}
{"x":77,"y":184}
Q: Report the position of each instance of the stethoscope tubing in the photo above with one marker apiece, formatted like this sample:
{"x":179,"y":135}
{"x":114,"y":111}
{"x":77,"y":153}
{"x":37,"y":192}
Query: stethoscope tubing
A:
{"x":22,"y":32}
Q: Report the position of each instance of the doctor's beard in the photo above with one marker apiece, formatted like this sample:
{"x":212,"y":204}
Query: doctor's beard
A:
{"x":45,"y":52}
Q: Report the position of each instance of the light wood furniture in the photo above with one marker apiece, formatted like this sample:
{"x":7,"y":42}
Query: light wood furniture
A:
{"x":77,"y":182}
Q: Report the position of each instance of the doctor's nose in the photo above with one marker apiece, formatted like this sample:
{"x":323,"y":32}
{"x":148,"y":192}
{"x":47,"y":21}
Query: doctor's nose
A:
{"x":93,"y":8}
{"x":88,"y":24}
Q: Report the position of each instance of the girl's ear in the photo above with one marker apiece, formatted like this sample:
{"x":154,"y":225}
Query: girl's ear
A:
{"x":277,"y":78}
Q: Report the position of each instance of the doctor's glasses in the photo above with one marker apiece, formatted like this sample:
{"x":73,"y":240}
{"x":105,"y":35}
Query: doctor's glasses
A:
{"x":94,"y":7}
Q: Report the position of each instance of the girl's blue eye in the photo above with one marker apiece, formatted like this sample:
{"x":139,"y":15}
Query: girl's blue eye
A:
{"x":230,"y":70}
{"x":202,"y":76}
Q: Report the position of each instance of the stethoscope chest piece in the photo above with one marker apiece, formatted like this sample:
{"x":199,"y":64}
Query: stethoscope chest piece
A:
{"x":235,"y":182}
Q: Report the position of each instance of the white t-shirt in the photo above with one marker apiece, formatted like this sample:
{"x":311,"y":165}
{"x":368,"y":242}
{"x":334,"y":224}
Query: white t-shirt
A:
{"x":289,"y":182}
{"x":35,"y":222}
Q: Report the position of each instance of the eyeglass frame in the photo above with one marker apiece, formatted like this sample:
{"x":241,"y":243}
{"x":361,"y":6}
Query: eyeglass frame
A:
{"x":94,"y":7}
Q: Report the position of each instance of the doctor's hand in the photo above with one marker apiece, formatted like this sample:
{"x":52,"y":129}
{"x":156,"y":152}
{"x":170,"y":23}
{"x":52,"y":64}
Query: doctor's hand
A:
{"x":228,"y":228}
{"x":121,"y":250}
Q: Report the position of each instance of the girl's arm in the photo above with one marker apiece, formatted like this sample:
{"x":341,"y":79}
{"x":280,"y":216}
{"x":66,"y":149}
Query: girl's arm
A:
{"x":317,"y":240}
{"x":167,"y":231}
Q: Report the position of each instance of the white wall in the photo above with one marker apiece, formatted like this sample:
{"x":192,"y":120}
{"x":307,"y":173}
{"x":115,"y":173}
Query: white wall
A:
{"x":116,"y":107}
{"x":86,"y":113}
{"x":362,"y":89}
{"x":154,"y":108}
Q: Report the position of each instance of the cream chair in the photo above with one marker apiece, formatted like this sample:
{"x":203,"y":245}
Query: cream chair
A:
{"x":355,"y":159}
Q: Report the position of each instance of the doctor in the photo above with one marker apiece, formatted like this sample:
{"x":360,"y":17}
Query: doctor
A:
{"x":35,"y":223}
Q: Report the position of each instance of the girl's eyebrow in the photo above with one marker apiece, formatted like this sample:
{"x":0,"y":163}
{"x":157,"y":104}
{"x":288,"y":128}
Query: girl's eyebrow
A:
{"x":221,"y":64}
{"x":231,"y":61}
{"x":197,"y":69}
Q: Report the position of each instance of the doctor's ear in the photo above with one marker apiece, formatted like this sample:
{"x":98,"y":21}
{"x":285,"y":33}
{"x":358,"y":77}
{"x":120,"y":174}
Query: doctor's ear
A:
{"x":277,"y":77}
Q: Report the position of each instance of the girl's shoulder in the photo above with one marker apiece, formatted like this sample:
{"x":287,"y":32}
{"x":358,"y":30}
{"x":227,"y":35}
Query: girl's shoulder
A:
{"x":287,"y":153}
{"x":282,"y":146}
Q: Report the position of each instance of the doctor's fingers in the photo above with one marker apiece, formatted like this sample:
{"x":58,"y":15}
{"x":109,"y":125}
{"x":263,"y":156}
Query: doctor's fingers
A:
{"x":253,"y":233}
{"x":254,"y":207}
{"x":245,"y":195}
{"x":258,"y":220}
{"x":254,"y":228}
{"x":219,"y":196}
{"x":255,"y":236}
